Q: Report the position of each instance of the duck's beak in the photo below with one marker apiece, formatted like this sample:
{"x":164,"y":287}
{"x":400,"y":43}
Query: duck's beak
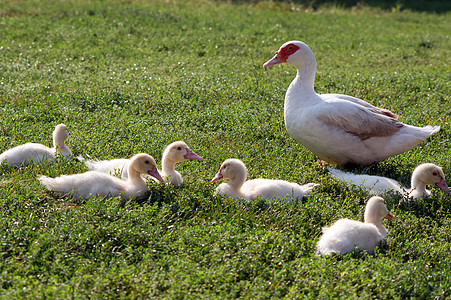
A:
{"x":191,"y":155}
{"x":389,"y":216}
{"x":154,"y":173}
{"x":274,"y":61}
{"x":442,"y":185}
{"x":217,"y":177}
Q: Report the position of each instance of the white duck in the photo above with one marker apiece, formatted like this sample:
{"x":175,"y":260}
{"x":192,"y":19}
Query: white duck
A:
{"x":423,"y":175}
{"x":237,"y":187}
{"x":97,"y":184}
{"x":38,"y":153}
{"x":344,"y":235}
{"x":173,"y":154}
{"x":338,"y":128}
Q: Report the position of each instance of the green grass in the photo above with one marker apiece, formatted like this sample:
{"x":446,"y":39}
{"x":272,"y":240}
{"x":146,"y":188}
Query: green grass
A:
{"x":134,"y":76}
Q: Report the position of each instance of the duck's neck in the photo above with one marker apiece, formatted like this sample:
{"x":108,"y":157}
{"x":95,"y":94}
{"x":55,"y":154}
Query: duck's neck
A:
{"x":168,"y":165}
{"x":378,"y":223}
{"x":417,"y":188}
{"x":61,"y":147}
{"x":134,"y":178}
{"x":371,"y":218}
{"x":301,"y":90}
{"x":136,"y":186}
{"x":168,"y":171}
{"x":305,"y":77}
{"x":237,"y":182}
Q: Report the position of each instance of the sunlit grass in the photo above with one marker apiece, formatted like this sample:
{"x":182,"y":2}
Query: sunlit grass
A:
{"x":134,"y":76}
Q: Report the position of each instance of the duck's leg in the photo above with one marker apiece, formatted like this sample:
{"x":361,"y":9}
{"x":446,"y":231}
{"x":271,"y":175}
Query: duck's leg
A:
{"x":322,"y":164}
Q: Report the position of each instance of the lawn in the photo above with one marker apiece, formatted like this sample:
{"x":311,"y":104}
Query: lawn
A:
{"x":133,"y":76}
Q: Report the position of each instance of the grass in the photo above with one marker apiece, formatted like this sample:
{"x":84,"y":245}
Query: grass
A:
{"x":134,"y":76}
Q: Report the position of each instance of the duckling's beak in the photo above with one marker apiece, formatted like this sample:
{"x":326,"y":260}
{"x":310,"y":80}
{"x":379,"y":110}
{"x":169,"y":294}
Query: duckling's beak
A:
{"x":217,"y":177}
{"x":442,"y":185}
{"x":154,"y":173}
{"x":389,"y":216}
{"x":191,"y":155}
{"x":274,"y":61}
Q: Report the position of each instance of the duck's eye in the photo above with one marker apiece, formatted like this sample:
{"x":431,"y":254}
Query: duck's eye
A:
{"x":147,"y":162}
{"x":290,"y":48}
{"x":434,"y":173}
{"x":179,"y":148}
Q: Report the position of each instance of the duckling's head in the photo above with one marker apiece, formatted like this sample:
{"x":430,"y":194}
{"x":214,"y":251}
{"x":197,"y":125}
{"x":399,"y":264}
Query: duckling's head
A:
{"x":429,"y":174}
{"x":231,"y":168}
{"x":60,"y":134}
{"x":179,"y":151}
{"x":376,"y":210}
{"x":143,"y":163}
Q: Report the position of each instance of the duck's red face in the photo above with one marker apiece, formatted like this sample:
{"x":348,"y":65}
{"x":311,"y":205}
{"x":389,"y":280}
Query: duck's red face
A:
{"x":282,"y":55}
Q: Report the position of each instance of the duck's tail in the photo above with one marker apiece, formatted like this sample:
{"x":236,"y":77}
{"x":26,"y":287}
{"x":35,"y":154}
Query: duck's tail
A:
{"x":47,"y":182}
{"x":431,"y":129}
{"x":89,"y":163}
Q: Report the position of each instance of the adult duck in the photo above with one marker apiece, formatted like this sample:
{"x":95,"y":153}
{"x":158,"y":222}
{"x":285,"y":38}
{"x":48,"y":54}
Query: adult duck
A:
{"x":340,"y":129}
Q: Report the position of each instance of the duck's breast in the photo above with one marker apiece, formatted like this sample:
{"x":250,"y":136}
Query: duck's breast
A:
{"x":173,"y":177}
{"x":226,"y":190}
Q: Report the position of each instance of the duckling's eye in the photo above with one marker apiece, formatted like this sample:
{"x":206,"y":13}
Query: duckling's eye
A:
{"x":179,"y":148}
{"x":147,"y":162}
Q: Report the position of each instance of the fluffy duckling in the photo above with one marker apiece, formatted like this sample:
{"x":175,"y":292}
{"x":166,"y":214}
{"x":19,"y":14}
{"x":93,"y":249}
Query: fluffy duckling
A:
{"x":344,"y":235}
{"x":423,"y":175}
{"x":174,"y":153}
{"x":237,"y":187}
{"x":97,"y":184}
{"x":38,"y":153}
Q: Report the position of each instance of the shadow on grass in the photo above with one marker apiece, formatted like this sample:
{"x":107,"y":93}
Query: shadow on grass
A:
{"x":437,"y":6}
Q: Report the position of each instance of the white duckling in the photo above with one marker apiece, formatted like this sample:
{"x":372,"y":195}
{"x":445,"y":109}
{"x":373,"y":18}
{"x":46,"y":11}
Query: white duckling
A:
{"x":97,"y":184}
{"x":423,"y":175}
{"x":339,"y":128}
{"x":174,"y":153}
{"x":237,"y":187}
{"x":38,"y":153}
{"x":344,"y":235}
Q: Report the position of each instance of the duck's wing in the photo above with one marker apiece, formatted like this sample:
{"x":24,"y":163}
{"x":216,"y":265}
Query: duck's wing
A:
{"x":370,"y":107}
{"x":357,"y":119}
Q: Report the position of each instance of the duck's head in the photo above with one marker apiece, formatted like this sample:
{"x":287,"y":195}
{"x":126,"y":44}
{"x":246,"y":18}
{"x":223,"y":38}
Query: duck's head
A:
{"x":143,"y":163}
{"x":295,"y":53}
{"x":179,"y":151}
{"x":230,"y":169}
{"x":60,"y":134}
{"x":376,"y":210}
{"x":429,"y":174}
